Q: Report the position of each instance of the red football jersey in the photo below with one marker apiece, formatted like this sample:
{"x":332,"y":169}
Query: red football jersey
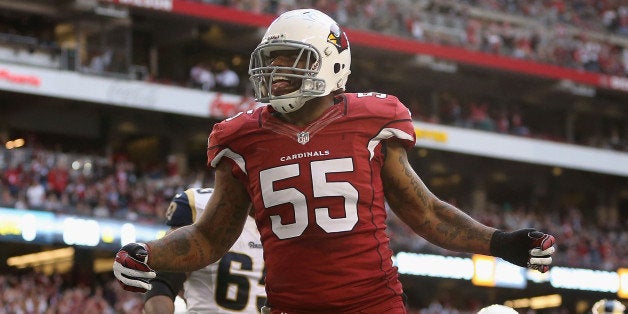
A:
{"x":319,"y":200}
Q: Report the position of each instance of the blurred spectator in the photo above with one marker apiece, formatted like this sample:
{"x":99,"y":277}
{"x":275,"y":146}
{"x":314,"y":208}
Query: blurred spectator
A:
{"x":227,"y":80}
{"x":479,"y":117}
{"x":58,"y":178}
{"x":202,"y":77}
{"x":100,"y":62}
{"x":503,"y":123}
{"x":13,"y":178}
{"x":52,"y":203}
{"x":101,"y":210}
{"x":35,"y":194}
{"x":21,"y":202}
{"x":416,"y":28}
{"x":518,"y":127}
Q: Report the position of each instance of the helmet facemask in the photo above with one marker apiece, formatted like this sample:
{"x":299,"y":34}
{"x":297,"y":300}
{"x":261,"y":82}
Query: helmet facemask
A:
{"x":302,"y":74}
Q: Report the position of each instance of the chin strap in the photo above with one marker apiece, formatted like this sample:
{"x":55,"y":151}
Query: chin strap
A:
{"x":287,"y":105}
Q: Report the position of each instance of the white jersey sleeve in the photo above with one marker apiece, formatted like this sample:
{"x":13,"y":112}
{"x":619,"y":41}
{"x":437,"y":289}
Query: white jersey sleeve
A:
{"x":234,"y":284}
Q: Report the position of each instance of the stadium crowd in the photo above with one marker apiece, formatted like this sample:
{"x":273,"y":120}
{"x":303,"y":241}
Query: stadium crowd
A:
{"x":109,"y":187}
{"x":509,"y":117}
{"x":31,"y":292}
{"x":582,"y":243}
{"x":587,"y":35}
{"x":104,"y":189}
{"x":426,"y":20}
{"x":86,"y":185}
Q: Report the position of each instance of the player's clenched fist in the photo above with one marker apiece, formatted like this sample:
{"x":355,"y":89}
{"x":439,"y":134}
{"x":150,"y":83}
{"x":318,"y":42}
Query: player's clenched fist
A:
{"x":526,"y":248}
{"x":131,"y":268}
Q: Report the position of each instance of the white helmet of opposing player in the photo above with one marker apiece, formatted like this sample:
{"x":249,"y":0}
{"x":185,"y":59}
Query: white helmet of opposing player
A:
{"x":322,"y":63}
{"x":497,"y":309}
{"x":608,"y":307}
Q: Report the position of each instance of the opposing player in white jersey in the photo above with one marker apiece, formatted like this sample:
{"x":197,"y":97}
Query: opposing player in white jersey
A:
{"x":233,"y":284}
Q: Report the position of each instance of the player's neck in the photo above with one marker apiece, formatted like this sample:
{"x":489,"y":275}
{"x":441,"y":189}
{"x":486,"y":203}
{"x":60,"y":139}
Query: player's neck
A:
{"x":310,"y":111}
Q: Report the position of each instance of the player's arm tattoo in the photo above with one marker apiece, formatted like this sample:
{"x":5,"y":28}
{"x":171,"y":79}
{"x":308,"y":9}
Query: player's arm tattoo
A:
{"x":439,"y":222}
{"x":192,"y":247}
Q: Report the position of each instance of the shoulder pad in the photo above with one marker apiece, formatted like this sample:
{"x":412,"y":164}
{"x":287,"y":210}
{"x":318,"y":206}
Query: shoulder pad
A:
{"x":385,"y":112}
{"x":232,"y":129}
{"x":378,"y":104}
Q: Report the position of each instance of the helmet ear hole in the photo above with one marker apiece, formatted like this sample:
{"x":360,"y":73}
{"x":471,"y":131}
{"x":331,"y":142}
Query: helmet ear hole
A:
{"x":337,"y":67}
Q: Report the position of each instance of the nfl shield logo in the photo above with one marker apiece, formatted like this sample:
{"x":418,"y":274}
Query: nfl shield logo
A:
{"x":303,"y":137}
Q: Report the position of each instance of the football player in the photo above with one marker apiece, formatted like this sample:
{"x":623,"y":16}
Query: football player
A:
{"x":235,"y":284}
{"x":317,"y":164}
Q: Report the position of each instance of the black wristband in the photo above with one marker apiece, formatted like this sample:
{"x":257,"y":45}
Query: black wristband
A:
{"x":166,"y":283}
{"x":512,"y":246}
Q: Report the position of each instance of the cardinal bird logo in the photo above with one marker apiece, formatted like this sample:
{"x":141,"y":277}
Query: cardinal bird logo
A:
{"x":338,"y":38}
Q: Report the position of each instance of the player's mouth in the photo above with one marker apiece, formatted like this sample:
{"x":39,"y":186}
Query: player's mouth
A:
{"x":283,"y":85}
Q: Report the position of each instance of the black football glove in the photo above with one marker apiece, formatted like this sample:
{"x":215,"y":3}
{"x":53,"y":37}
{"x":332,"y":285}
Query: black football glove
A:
{"x":525,"y":247}
{"x":131,"y":269}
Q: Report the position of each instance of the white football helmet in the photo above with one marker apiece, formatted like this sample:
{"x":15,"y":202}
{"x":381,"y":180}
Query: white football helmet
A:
{"x":318,"y":40}
{"x":497,"y":309}
{"x":608,"y":307}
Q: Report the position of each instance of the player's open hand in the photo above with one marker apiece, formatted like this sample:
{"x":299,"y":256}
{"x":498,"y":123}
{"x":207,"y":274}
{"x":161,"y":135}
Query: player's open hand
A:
{"x":131,"y":268}
{"x":525,"y":247}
